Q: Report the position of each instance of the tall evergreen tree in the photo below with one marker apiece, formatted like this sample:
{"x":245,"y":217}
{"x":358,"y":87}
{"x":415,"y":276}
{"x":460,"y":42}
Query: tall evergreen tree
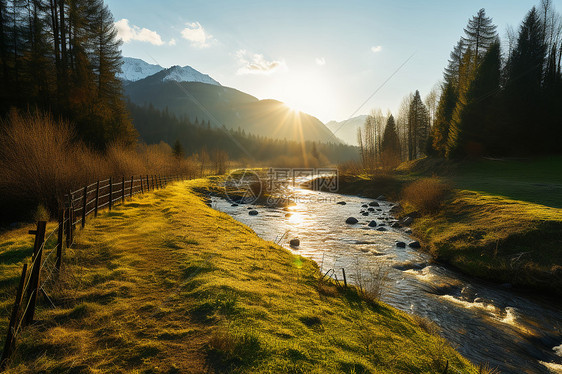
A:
{"x":443,"y":117}
{"x":418,"y":127}
{"x":524,"y":95}
{"x":473,"y":131}
{"x":480,"y":33}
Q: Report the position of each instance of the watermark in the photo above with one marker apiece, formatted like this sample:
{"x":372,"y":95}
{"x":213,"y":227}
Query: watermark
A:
{"x":276,"y":185}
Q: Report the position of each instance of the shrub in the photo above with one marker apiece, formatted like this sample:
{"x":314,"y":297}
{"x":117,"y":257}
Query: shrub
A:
{"x":41,"y":160}
{"x":426,"y":195}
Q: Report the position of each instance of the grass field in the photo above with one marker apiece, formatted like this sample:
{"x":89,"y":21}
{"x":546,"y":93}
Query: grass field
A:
{"x":502,"y":222}
{"x":165,"y":284}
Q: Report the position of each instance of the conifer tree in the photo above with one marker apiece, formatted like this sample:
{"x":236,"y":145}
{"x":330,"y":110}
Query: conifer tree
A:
{"x":480,"y":33}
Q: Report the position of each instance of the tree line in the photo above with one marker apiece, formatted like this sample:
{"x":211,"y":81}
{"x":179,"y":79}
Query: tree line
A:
{"x":495,"y":99}
{"x":203,"y":142}
{"x":62,"y":56}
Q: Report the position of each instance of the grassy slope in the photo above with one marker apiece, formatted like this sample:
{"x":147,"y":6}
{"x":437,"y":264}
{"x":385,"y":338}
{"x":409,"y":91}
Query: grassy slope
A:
{"x":495,"y":225}
{"x":166,"y":284}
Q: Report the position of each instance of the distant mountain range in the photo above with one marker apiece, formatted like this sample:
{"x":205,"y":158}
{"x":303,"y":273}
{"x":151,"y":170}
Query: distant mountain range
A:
{"x":185,"y":92}
{"x":347,"y":130}
{"x":135,"y":69}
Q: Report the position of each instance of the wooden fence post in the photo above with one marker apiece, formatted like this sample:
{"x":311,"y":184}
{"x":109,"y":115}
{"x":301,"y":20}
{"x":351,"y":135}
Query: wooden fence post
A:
{"x":344,"y":278}
{"x":33,"y":289}
{"x":110,"y":193}
{"x":132,"y":184}
{"x":9,"y":343}
{"x":152,"y":180}
{"x":60,"y":241}
{"x":142,"y":190}
{"x":147,"y":184}
{"x":67,"y":224}
{"x":84,"y":205}
{"x":97,"y":198}
{"x":123,"y":189}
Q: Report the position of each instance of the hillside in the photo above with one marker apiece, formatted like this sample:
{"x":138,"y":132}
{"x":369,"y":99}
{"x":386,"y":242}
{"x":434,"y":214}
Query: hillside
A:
{"x":228,"y":107}
{"x":347,"y":130}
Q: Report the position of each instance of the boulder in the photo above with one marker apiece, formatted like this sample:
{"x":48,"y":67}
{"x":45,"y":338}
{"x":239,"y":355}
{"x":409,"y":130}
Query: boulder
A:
{"x":253,"y":212}
{"x":364,"y":206}
{"x":401,"y":244}
{"x":341,"y":203}
{"x":295,"y":242}
{"x":288,"y":214}
{"x":365,"y":213}
{"x":371,"y":209}
{"x":395,"y":225}
{"x":415,"y":244}
{"x":373,"y":224}
{"x":381,"y":229}
{"x":234,"y":204}
{"x":351,"y":221}
{"x":373,"y":203}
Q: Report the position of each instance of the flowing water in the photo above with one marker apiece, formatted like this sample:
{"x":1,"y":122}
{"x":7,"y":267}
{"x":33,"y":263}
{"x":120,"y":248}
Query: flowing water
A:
{"x":484,"y":322}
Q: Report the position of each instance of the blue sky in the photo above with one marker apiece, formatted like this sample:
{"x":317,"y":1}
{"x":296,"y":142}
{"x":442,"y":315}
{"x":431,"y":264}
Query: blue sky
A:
{"x":325,"y":58}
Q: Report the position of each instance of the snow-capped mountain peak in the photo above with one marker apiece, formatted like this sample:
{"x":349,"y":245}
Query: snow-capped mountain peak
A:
{"x":134,"y":69}
{"x":187,"y":74}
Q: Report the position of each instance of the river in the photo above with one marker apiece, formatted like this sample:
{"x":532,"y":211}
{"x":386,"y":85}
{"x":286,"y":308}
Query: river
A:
{"x":485,"y":322}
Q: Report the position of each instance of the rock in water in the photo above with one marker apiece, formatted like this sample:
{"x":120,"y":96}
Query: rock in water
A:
{"x":415,"y":244}
{"x":395,"y":225}
{"x":401,"y":244}
{"x":371,"y":209}
{"x":295,"y":242}
{"x":341,"y":203}
{"x":253,"y":212}
{"x":407,"y":221}
{"x":373,"y":203}
{"x":364,"y":206}
{"x":234,"y":204}
{"x":365,"y":213}
{"x":351,"y":221}
{"x":381,"y":229}
{"x":373,"y":224}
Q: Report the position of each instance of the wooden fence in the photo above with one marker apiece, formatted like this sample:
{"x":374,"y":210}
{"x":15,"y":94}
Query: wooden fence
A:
{"x":48,"y":254}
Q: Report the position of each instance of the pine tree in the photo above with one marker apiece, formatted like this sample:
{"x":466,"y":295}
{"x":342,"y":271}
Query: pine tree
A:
{"x":474,"y":126}
{"x":443,"y":117}
{"x":524,"y":95}
{"x":418,"y":127}
{"x":452,"y":70}
{"x":480,"y":33}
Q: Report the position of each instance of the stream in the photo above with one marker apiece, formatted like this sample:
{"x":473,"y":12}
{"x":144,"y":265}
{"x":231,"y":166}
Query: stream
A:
{"x":485,"y":322}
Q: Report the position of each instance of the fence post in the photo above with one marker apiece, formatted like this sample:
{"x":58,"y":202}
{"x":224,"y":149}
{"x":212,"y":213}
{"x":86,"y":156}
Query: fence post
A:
{"x":152,"y":180}
{"x":344,"y":278}
{"x":67,"y":223}
{"x":147,"y":184}
{"x":35,"y":270}
{"x":60,"y":241}
{"x":97,"y":198}
{"x":123,"y":189}
{"x":142,"y":190}
{"x":9,"y":343}
{"x":110,"y":193}
{"x":84,"y":205}
{"x":132,"y":183}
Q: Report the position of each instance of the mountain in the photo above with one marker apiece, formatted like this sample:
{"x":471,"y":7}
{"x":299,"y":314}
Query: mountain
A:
{"x":187,"y":74}
{"x":134,"y":69}
{"x":347,"y":130}
{"x":225,"y":106}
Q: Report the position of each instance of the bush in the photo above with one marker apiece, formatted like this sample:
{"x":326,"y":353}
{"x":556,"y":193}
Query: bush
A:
{"x":41,"y":160}
{"x":426,"y":195}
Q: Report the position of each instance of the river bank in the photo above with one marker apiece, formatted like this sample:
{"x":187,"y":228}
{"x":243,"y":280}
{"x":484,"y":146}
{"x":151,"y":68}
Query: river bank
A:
{"x":166,"y":284}
{"x":512,"y":242}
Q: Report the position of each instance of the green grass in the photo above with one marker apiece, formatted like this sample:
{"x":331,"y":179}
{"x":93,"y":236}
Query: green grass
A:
{"x":164,"y":284}
{"x":503,"y":221}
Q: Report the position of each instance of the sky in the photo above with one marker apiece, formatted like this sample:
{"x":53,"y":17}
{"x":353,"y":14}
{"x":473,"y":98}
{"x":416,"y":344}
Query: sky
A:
{"x":331,"y":59}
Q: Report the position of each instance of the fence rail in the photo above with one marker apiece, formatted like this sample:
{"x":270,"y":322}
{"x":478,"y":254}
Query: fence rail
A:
{"x":47,"y":256}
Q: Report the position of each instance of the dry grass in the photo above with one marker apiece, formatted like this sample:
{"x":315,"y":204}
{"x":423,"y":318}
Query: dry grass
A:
{"x":40,"y":161}
{"x":426,"y":195}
